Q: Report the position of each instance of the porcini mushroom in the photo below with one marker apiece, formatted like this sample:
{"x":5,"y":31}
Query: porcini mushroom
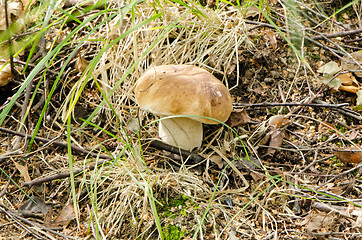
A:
{"x":170,"y":90}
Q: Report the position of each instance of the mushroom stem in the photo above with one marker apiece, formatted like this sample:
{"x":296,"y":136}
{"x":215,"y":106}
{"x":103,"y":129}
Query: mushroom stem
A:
{"x":181,"y":132}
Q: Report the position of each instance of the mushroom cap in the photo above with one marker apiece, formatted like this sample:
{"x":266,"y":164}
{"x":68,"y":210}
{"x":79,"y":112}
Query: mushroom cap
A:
{"x":169,"y":90}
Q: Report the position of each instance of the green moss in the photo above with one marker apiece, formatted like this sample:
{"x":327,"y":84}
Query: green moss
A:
{"x":169,"y":204}
{"x":172,"y":232}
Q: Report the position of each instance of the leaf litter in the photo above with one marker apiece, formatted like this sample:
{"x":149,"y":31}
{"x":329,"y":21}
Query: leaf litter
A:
{"x":291,"y":153}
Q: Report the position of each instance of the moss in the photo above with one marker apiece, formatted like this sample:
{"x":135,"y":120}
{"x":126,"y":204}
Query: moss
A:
{"x":172,"y":232}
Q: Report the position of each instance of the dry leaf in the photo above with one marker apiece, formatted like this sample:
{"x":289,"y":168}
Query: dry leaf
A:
{"x":276,"y":140}
{"x":5,"y":74}
{"x":14,"y":12}
{"x":238,"y":117}
{"x":328,"y":70}
{"x":270,"y":35}
{"x":217,"y":160}
{"x":34,"y":206}
{"x":349,"y":156}
{"x":66,"y":215}
{"x":23,"y":171}
{"x":27,"y":4}
{"x":348,"y":63}
{"x":252,"y":12}
{"x":359,"y":98}
{"x":347,"y":79}
{"x":81,"y":64}
{"x":278,"y":121}
{"x":351,"y":89}
{"x":320,"y":221}
{"x":349,"y":83}
{"x":326,"y":127}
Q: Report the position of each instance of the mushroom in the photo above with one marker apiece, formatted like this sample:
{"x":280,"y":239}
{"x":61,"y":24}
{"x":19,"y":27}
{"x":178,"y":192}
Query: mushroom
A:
{"x":170,"y":90}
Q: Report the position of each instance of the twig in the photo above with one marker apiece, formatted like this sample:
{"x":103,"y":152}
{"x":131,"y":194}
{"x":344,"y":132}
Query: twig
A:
{"x":3,"y":192}
{"x":32,"y":223}
{"x":184,"y":153}
{"x":339,"y":175}
{"x":344,"y":111}
{"x":265,"y":104}
{"x":64,"y":174}
{"x":337,"y":34}
{"x":29,"y":230}
{"x":58,"y":143}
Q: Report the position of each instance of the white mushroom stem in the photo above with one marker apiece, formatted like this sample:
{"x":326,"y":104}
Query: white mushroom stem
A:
{"x":184,"y":133}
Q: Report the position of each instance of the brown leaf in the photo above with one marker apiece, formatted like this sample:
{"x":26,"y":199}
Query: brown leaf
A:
{"x":5,"y":74}
{"x":349,"y":64}
{"x":81,"y":64}
{"x":217,"y":160}
{"x":27,"y":4}
{"x":349,"y":156}
{"x":352,"y":89}
{"x":238,"y":117}
{"x":252,"y":12}
{"x":34,"y":207}
{"x":321,"y":221}
{"x":270,"y":35}
{"x":23,"y":171}
{"x":66,"y":215}
{"x":347,"y":78}
{"x":276,"y":140}
{"x":278,"y":121}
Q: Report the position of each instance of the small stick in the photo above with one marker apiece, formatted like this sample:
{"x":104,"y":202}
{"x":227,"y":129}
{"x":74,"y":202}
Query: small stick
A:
{"x":58,"y":143}
{"x":3,"y":192}
{"x":63,"y":174}
{"x":337,"y":34}
{"x":184,"y":153}
{"x":265,"y":104}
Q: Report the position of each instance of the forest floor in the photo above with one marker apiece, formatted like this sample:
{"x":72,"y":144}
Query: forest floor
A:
{"x":80,"y":160}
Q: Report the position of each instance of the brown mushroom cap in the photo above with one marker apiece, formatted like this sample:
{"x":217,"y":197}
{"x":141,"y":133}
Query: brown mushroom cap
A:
{"x":169,"y":90}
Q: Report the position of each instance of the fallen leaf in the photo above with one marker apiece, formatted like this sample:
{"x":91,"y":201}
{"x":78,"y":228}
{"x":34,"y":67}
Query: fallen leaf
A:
{"x":238,"y":117}
{"x":217,"y":160}
{"x":81,"y":64}
{"x":347,"y":79}
{"x":359,"y":98}
{"x":351,"y":89}
{"x":5,"y":74}
{"x":34,"y":206}
{"x":321,"y":222}
{"x":278,"y":121}
{"x":349,"y":64}
{"x":328,"y":70}
{"x":353,"y":135}
{"x":14,"y":12}
{"x":270,"y":35}
{"x":252,"y":12}
{"x":27,"y":4}
{"x":23,"y":171}
{"x":325,"y":127}
{"x":66,"y":215}
{"x":349,"y":83}
{"x":276,"y":140}
{"x":349,"y":156}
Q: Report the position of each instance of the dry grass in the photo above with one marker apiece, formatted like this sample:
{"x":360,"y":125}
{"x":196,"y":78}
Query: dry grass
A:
{"x":144,"y":191}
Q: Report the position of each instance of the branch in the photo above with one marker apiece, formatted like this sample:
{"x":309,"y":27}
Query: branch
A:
{"x":184,"y":153}
{"x":265,"y":104}
{"x":337,"y":34}
{"x":58,"y":143}
{"x":63,"y":174}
